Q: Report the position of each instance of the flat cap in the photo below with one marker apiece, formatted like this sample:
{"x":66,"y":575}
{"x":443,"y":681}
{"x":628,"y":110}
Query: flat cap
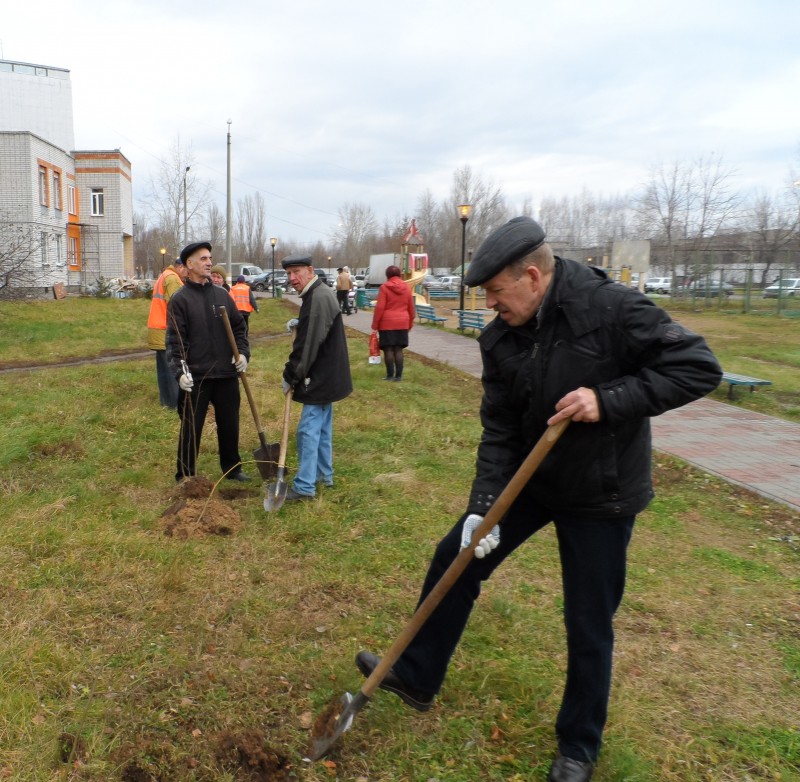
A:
{"x":507,"y":244}
{"x":191,"y":249}
{"x":298,"y":259}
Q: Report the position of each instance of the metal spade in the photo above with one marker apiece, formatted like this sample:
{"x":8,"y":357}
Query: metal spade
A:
{"x":276,"y":492}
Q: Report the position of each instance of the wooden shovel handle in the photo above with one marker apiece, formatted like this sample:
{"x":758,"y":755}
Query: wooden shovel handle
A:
{"x":287,"y":411}
{"x":465,"y":556}
{"x":243,"y":376}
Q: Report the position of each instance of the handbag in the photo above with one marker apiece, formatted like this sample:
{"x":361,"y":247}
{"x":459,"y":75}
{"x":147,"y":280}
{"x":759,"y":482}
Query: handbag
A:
{"x":374,"y":349}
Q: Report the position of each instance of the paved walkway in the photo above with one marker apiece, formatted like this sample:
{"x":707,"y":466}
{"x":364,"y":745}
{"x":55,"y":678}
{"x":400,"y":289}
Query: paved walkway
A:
{"x":756,"y":451}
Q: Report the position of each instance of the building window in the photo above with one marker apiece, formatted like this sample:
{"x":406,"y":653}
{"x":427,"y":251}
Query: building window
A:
{"x":72,"y":201}
{"x":97,"y":202}
{"x":43,"y":241}
{"x":59,"y":255}
{"x":57,"y":190}
{"x":72,"y":251}
{"x":43,"y":186}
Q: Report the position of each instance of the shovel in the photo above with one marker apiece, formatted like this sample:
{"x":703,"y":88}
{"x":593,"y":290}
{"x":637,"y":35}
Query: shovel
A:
{"x":276,"y":492}
{"x":265,"y":456}
{"x":338,"y":716}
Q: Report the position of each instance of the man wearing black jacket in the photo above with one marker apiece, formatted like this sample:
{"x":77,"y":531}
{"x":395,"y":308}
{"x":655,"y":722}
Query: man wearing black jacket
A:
{"x":567,"y":342}
{"x":318,"y":372}
{"x":200,"y":356}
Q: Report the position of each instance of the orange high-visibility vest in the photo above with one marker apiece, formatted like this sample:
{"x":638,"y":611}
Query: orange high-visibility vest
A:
{"x":157,"y":319}
{"x":241,"y":296}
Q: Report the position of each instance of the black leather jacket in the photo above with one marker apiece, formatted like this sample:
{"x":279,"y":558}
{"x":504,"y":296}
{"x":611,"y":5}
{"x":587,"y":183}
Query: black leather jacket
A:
{"x":594,"y":333}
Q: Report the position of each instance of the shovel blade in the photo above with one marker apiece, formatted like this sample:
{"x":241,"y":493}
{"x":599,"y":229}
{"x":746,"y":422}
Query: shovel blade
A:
{"x":266,"y":458}
{"x":334,"y":723}
{"x":276,"y":493}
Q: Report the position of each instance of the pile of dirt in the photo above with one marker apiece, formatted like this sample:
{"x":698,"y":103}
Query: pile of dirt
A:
{"x":195,"y":512}
{"x":249,"y":753}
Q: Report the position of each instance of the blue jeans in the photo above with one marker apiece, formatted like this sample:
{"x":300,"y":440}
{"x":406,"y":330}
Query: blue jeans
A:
{"x":593,"y":566}
{"x":314,"y":448}
{"x":167,"y":384}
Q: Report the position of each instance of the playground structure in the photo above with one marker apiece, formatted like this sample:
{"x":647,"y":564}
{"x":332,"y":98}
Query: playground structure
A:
{"x":412,"y":261}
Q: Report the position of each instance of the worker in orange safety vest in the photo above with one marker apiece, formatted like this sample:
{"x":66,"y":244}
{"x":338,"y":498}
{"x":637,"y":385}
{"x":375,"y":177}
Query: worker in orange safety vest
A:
{"x":246,"y":303}
{"x":169,"y":281}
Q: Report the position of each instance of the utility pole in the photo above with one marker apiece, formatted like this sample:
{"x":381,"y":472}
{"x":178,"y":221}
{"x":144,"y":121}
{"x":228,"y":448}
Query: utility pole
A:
{"x":185,"y":212}
{"x":228,"y":216}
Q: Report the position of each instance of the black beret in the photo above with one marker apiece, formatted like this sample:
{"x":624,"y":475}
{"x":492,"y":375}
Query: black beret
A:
{"x":191,"y":249}
{"x":298,"y":259}
{"x":507,"y":244}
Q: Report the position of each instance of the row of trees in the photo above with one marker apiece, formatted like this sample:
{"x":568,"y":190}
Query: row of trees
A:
{"x":689,"y":211}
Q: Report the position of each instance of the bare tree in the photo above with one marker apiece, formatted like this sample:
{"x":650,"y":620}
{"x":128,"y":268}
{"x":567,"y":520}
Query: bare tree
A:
{"x":251,"y":231}
{"x":355,"y":235}
{"x":165,"y":200}
{"x":20,"y":248}
{"x":213,"y":226}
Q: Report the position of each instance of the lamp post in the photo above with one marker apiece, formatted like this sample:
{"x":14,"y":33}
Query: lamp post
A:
{"x":185,"y":213}
{"x":273,"y":242}
{"x":464,"y":211}
{"x":163,"y":252}
{"x":228,"y":210}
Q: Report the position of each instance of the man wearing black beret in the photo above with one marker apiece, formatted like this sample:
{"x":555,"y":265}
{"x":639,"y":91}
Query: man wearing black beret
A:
{"x":567,"y":343}
{"x":200,"y":356}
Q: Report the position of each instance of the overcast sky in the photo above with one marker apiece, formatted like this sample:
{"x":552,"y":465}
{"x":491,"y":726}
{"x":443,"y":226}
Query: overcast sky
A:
{"x":360,"y":101}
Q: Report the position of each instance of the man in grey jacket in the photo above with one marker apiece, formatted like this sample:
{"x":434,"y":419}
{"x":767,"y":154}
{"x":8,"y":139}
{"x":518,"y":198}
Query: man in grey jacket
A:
{"x":318,"y":372}
{"x":567,"y":342}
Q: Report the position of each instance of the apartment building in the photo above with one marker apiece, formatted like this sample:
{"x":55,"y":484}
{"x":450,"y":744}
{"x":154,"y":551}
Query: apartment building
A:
{"x":66,"y":215}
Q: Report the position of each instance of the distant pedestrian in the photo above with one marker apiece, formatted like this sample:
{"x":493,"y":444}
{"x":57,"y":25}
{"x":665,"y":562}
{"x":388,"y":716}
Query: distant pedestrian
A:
{"x":245,"y":301}
{"x":168,"y":282}
{"x":344,"y":284}
{"x":393,"y":319}
{"x":318,"y":372}
{"x":218,"y":276}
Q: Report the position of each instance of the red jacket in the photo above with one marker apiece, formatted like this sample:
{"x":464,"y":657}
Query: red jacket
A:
{"x":395,"y":308}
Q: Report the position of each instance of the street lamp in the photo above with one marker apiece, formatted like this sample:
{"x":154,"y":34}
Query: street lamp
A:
{"x":163,"y":252}
{"x":185,"y":213}
{"x":273,"y":242}
{"x":464,"y":211}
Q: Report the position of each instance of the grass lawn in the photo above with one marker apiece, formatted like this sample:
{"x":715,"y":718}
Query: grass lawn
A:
{"x":126,"y":654}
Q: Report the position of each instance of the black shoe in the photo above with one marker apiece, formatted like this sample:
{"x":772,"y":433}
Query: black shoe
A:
{"x":294,"y":496}
{"x":367,"y":662}
{"x":566,"y":769}
{"x":239,"y":476}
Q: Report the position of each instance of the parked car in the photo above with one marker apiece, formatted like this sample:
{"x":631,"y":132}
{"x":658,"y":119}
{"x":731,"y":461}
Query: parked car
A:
{"x":429,"y":280}
{"x":263,"y":282}
{"x":449,"y":283}
{"x":249,"y":272}
{"x":788,"y":287}
{"x":700,"y":289}
{"x":323,"y":275}
{"x":360,"y":280}
{"x":658,"y":285}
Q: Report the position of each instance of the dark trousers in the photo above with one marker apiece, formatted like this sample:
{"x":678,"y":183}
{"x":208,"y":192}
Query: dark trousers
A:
{"x":167,"y":384}
{"x":223,"y":393}
{"x":344,"y":303}
{"x":593,"y":566}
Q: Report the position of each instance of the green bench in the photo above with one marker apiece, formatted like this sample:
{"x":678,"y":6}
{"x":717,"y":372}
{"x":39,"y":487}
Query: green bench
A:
{"x":426,"y":312}
{"x":470,"y":320}
{"x":742,"y":380}
{"x":442,"y":294}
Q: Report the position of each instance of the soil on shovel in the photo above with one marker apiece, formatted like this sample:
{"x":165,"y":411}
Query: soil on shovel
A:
{"x":195,"y":513}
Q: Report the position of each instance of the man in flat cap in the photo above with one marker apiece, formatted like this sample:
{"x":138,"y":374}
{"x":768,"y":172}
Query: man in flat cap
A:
{"x":200,"y":356}
{"x":318,"y":372}
{"x":567,"y":343}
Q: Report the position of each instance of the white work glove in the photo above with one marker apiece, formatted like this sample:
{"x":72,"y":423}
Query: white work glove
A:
{"x":292,"y":324}
{"x":241,"y":364}
{"x":186,"y":382}
{"x":485,"y":545}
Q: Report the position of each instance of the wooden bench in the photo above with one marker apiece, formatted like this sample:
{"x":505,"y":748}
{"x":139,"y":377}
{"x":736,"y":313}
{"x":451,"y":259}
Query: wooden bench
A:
{"x":426,"y":312}
{"x":442,"y":294}
{"x":470,"y":320}
{"x":742,"y":380}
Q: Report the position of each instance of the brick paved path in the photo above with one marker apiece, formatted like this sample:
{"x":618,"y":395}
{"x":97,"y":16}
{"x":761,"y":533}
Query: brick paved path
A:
{"x":756,"y":451}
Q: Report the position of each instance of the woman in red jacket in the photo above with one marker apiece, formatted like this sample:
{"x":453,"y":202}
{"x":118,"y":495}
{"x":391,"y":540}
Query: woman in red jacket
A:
{"x":393,"y":319}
